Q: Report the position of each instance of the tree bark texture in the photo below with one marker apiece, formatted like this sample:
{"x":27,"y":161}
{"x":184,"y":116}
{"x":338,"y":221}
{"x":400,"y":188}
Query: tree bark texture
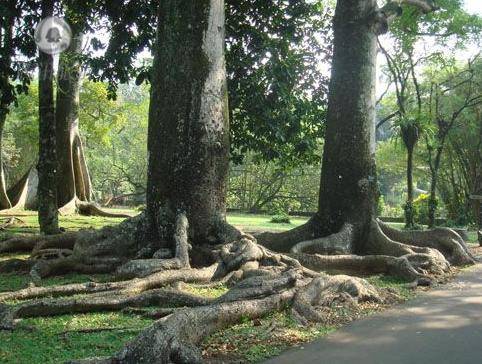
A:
{"x":73,"y":175}
{"x":47,"y":164}
{"x":348,"y":179}
{"x":6,"y":35}
{"x":188,"y":142}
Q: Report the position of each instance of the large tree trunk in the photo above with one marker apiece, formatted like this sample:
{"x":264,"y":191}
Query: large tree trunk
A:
{"x":345,"y":221}
{"x":73,"y":175}
{"x":4,"y":200}
{"x":348,"y":180}
{"x":188,"y":141}
{"x":47,"y":164}
{"x":6,"y":35}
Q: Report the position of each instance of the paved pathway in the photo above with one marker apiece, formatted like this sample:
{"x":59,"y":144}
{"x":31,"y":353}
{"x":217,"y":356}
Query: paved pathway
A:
{"x":443,"y":326}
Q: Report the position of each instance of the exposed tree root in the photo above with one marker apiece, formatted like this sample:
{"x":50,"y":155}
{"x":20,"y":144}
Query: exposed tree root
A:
{"x":284,"y":241}
{"x":133,"y":286}
{"x":10,"y":221}
{"x":406,"y":267}
{"x":447,"y":241}
{"x":19,"y":244}
{"x":16,"y":266}
{"x":261,"y":280}
{"x":145,"y":267}
{"x":323,"y":291}
{"x":38,"y":242}
{"x":425,"y":261}
{"x":87,"y":209}
{"x":175,"y":338}
{"x":98,"y":303}
{"x":338,"y":243}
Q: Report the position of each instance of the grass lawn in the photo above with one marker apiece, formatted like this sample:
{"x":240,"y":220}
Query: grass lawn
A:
{"x":57,"y":339}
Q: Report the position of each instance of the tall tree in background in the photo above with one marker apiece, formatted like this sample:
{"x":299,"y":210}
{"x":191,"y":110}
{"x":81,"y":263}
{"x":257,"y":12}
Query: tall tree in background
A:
{"x":402,"y":75}
{"x":47,"y":163}
{"x":449,"y":99}
{"x":345,"y":221}
{"x":15,"y":40}
{"x":6,"y":34}
{"x":451,"y":28}
{"x":73,"y":176}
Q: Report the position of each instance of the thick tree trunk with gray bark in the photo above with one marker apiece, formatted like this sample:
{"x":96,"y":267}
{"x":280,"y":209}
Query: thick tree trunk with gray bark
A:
{"x":73,"y":175}
{"x":348,"y":181}
{"x":47,"y":164}
{"x":188,"y":141}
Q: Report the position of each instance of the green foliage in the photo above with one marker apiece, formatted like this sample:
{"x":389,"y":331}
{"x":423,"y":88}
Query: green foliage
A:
{"x":21,"y":132}
{"x":277,"y":93}
{"x":267,"y":187}
{"x":420,"y":208}
{"x":116,"y":138}
{"x":273,"y":50}
{"x":280,"y":219}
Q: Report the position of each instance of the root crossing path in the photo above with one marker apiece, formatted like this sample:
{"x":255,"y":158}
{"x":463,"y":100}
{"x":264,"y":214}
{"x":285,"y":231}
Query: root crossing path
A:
{"x":443,"y":326}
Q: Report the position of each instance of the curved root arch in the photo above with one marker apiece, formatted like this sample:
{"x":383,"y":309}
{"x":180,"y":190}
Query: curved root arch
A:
{"x":447,"y":241}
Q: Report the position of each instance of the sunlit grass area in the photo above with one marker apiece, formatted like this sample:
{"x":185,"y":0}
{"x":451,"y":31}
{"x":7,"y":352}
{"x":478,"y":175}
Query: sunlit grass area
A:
{"x":63,"y":338}
{"x":257,"y":222}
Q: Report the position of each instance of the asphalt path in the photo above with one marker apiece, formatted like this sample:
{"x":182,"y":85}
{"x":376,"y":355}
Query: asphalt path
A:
{"x":442,"y":326}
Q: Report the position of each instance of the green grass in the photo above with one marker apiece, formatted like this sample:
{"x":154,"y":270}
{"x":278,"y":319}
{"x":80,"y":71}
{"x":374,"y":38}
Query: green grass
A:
{"x":75,"y":222}
{"x":41,"y":340}
{"x":255,"y":340}
{"x":396,"y":285}
{"x":209,"y":292}
{"x":14,"y":282}
{"x":247,"y":222}
{"x":254,"y":222}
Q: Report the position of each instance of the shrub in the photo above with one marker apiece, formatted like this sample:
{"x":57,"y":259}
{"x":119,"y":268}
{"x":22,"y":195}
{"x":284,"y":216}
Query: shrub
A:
{"x":420,"y":208}
{"x":280,"y":219}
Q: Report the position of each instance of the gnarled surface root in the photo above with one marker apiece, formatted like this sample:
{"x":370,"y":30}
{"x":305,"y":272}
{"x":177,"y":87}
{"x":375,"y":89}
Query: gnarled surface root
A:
{"x":425,"y":261}
{"x":132,"y":286}
{"x":99,"y":302}
{"x":338,"y":243}
{"x":16,"y":266}
{"x":87,"y":209}
{"x":261,"y":281}
{"x":174,"y":339}
{"x":406,"y":267}
{"x":284,"y":241}
{"x":324,"y":291}
{"x":447,"y":241}
{"x":91,"y":209}
{"x":145,"y":267}
{"x":38,"y":242}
